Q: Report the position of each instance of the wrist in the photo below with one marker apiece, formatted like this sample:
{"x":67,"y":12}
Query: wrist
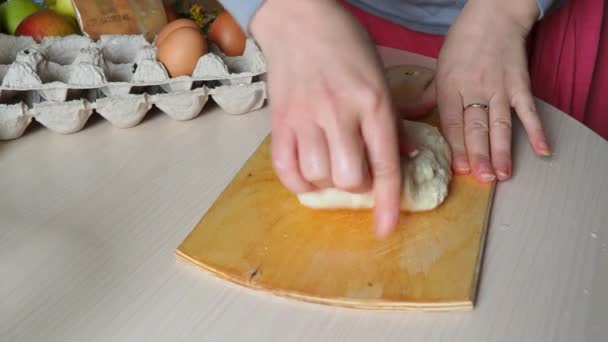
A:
{"x":522,"y":12}
{"x":287,"y":19}
{"x":520,"y":15}
{"x":267,"y":19}
{"x":273,"y":13}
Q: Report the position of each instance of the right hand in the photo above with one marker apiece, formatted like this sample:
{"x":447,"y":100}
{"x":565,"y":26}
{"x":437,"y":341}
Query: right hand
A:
{"x":333,"y":123}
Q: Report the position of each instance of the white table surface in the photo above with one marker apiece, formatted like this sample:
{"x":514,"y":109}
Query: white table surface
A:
{"x":89,"y":223}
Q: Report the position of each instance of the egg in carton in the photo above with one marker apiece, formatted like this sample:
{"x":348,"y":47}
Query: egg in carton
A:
{"x":63,"y":80}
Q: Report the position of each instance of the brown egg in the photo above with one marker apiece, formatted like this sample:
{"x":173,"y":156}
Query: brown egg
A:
{"x":172,"y":26}
{"x":181,"y":49}
{"x":226,"y":33}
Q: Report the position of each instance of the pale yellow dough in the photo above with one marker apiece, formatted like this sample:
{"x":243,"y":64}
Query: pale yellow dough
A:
{"x":426,"y":177}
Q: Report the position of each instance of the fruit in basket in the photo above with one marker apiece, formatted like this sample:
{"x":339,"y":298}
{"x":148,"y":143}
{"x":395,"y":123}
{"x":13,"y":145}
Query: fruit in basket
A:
{"x":226,"y":33}
{"x":180,"y":50}
{"x":13,"y":12}
{"x":47,"y":23}
{"x":65,"y":7}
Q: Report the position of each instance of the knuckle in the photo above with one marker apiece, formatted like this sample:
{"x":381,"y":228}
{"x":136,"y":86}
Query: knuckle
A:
{"x":278,"y":105}
{"x":314,"y":174}
{"x":350,"y":181}
{"x":525,"y":109}
{"x":292,"y":181}
{"x":386,"y":169}
{"x":463,"y":76}
{"x":446,"y":73}
{"x":530,"y":111}
{"x":459,"y":152}
{"x":501,"y":123}
{"x":326,"y":102}
{"x":284,"y":119}
{"x":370,"y":97}
{"x":452,"y":123}
{"x":476,"y":126}
{"x":477,"y":78}
{"x":282,"y":163}
{"x":517,"y":78}
{"x":517,"y":97}
{"x":502,"y":154}
{"x":521,"y":96}
{"x":480,"y":158}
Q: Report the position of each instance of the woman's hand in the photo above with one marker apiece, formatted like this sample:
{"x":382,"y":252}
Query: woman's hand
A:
{"x":333,"y":123}
{"x":483,"y":61}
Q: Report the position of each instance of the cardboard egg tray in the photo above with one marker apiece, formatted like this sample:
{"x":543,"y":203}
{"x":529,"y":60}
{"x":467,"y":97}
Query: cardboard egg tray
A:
{"x":61,"y":81}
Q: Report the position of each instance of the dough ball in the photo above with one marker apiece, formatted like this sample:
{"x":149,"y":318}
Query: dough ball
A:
{"x":426,"y":177}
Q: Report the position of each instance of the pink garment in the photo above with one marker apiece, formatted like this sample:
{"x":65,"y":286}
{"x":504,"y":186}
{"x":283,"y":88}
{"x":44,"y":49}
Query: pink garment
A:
{"x":568,"y":56}
{"x":597,"y":104}
{"x":568,"y":61}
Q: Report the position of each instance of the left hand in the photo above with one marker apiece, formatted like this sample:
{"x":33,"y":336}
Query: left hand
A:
{"x":483,"y":61}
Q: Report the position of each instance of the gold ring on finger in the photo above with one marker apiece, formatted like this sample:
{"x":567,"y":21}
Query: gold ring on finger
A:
{"x":478,"y":105}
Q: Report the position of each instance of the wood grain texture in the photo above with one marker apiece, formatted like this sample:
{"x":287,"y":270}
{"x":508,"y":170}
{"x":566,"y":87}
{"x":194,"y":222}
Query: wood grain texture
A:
{"x":89,"y":224}
{"x":258,"y":235}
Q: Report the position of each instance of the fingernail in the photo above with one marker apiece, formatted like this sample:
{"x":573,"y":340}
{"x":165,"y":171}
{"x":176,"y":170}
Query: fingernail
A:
{"x":414,"y":153}
{"x":502,"y":170}
{"x":503,"y":173}
{"x":462,"y":167}
{"x":385,"y":224}
{"x":543,"y":148}
{"x":485,"y":173}
{"x":487,"y":177}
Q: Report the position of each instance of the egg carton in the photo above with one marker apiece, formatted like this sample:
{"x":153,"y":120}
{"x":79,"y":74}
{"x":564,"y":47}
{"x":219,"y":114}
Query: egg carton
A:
{"x":61,"y":81}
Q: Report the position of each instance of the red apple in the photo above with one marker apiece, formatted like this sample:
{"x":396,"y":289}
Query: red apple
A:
{"x":46,"y":23}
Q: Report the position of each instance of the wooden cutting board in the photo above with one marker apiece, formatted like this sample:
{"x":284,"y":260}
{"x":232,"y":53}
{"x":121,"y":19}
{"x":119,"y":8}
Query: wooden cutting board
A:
{"x":258,"y":235}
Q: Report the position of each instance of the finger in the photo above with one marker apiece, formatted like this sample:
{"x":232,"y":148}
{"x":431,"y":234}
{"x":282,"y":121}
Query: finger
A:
{"x":422,"y":105}
{"x":313,"y":156}
{"x":522,"y":101}
{"x":500,"y":136}
{"x":285,"y":160}
{"x":450,"y":107}
{"x":349,"y":168}
{"x":381,"y":136}
{"x":477,"y":142}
